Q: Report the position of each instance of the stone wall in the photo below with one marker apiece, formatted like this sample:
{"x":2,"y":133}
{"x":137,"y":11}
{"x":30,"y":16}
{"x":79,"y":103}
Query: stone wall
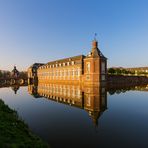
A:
{"x":119,"y":79}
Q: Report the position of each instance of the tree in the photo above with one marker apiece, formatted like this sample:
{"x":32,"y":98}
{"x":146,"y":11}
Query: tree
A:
{"x":1,"y":75}
{"x":111,"y":71}
{"x":23,"y":74}
{"x":118,"y":71}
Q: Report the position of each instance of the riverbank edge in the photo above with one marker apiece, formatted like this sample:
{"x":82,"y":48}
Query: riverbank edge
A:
{"x":121,"y":79}
{"x":14,"y":132}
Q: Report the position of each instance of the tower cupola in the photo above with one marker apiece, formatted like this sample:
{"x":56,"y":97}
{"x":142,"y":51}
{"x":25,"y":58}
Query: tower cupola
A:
{"x":95,"y":44}
{"x":95,"y":51}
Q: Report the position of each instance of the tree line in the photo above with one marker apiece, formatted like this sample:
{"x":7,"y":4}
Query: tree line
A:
{"x":7,"y":74}
{"x":122,"y":71}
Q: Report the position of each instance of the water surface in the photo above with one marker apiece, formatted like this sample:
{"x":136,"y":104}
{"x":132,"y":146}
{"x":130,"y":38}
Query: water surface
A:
{"x":70,"y":116}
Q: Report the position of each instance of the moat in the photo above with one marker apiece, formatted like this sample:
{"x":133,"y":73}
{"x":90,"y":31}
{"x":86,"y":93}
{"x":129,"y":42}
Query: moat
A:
{"x":74,"y":116}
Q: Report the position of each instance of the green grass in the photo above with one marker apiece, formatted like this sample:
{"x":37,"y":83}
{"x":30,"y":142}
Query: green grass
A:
{"x":14,"y":133}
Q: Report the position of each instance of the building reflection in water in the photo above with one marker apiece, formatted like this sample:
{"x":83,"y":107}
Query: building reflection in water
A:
{"x":91,"y":99}
{"x":15,"y":88}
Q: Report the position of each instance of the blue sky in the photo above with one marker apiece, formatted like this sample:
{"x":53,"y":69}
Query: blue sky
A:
{"x":45,"y":30}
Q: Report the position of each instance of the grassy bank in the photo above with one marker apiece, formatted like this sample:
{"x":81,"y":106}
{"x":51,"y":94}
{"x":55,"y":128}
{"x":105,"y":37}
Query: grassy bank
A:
{"x":14,"y":132}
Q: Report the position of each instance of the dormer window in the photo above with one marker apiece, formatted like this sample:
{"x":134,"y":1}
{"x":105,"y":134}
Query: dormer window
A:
{"x":72,"y":62}
{"x":89,"y":54}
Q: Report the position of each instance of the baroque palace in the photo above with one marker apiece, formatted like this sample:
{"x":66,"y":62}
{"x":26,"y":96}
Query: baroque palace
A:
{"x":87,"y":70}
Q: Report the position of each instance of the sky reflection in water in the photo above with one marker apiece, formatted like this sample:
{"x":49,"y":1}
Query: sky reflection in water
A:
{"x":118,"y":120}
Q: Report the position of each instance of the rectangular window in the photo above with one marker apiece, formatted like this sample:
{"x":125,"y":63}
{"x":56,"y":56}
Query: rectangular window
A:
{"x":88,"y":77}
{"x":88,"y":101}
{"x":103,"y":90}
{"x":103,"y":77}
{"x":79,"y":72}
{"x":103,"y":67}
{"x":88,"y":67}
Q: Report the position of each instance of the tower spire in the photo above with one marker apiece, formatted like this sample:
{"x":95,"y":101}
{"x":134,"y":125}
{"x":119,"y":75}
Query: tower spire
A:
{"x":95,"y":37}
{"x":95,"y":43}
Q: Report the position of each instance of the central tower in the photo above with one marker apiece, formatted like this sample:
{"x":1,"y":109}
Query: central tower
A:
{"x":95,"y":66}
